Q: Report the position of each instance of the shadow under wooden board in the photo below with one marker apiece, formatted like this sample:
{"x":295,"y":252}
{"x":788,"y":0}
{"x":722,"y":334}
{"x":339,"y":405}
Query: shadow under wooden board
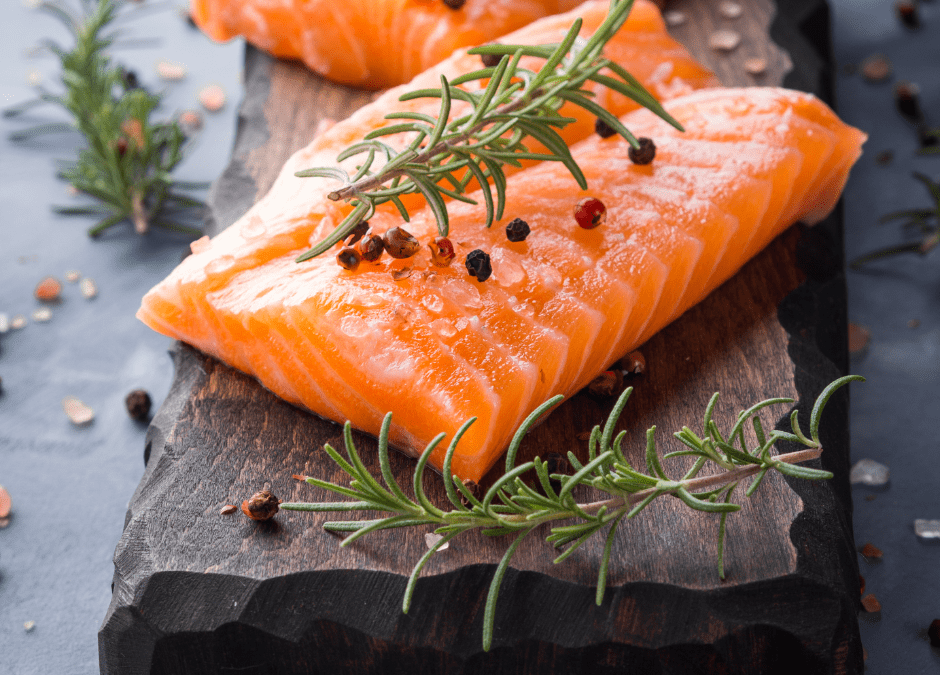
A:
{"x":196,"y":592}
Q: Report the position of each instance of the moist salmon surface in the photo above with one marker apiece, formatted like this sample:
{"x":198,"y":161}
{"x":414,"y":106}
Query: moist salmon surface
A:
{"x":437,"y":347}
{"x":368,"y":43}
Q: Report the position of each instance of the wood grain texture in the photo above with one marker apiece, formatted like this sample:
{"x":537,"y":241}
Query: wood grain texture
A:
{"x":197,"y":592}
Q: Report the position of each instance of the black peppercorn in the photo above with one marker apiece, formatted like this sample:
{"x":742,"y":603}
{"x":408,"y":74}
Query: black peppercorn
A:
{"x":261,"y":506}
{"x":478,"y":265}
{"x":138,"y":404}
{"x":358,"y":232}
{"x":473,"y":489}
{"x":907,"y":12}
{"x":348,"y":258}
{"x":907,"y":102}
{"x":517,"y":230}
{"x":455,"y":4}
{"x":603,"y":129}
{"x":130,"y":79}
{"x":490,"y":60}
{"x":371,"y":247}
{"x":645,"y":153}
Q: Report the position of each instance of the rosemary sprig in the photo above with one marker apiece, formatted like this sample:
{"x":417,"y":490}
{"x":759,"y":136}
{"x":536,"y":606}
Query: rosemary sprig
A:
{"x":926,"y":221}
{"x":128,"y":158}
{"x":447,"y":155}
{"x":513,"y":506}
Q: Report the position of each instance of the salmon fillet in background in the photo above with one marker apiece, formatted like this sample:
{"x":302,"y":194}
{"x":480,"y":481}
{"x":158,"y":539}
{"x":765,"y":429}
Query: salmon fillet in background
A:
{"x":368,"y":43}
{"x":438,"y":347}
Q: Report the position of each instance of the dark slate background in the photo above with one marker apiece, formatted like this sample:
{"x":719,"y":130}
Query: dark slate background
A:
{"x":70,"y":486}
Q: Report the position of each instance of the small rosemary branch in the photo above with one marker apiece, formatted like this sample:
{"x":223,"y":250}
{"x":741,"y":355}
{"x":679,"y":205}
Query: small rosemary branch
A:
{"x":445,"y":156}
{"x":128,"y":158}
{"x":926,"y":221}
{"x":514,"y":506}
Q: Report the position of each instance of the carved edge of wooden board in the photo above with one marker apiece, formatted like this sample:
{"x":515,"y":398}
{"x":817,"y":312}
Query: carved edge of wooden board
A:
{"x":810,"y":590}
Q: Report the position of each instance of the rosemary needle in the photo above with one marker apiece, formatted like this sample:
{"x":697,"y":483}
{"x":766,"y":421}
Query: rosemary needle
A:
{"x":127,"y":159}
{"x":513,"y":506}
{"x":517,"y":106}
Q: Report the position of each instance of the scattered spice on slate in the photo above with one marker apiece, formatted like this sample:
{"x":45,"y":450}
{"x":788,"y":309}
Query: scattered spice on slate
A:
{"x":6,"y":504}
{"x":400,"y":243}
{"x":861,"y":585}
{"x":859,"y":337}
{"x":645,"y":154}
{"x":871,"y":604}
{"x":907,"y":12}
{"x":755,"y":66}
{"x":907,"y":101}
{"x":607,"y":384}
{"x":472,"y":488}
{"x":48,"y":289}
{"x":634,"y":363}
{"x":371,"y":247}
{"x":517,"y":230}
{"x":138,"y":404}
{"x":42,"y":315}
{"x":675,"y":18}
{"x":190,"y":122}
{"x":724,"y":40}
{"x":432,"y":539}
{"x":88,"y":288}
{"x":478,"y":265}
{"x":455,"y":4}
{"x":228,"y":510}
{"x":730,"y":10}
{"x":870,"y":498}
{"x":72,"y":276}
{"x":348,"y":258}
{"x":590,"y":213}
{"x":212,"y":98}
{"x":28,"y":626}
{"x":929,"y":138}
{"x":403,"y":273}
{"x":913,"y":323}
{"x":933,"y":632}
{"x":884,"y":157}
{"x":869,"y":550}
{"x":584,"y":436}
{"x":602,"y":129}
{"x":442,"y":252}
{"x":78,"y":413}
{"x":19,"y":321}
{"x":261,"y":506}
{"x":876,"y":68}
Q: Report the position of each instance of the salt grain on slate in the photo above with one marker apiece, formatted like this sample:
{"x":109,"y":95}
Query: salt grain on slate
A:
{"x":190,"y":121}
{"x":42,"y":315}
{"x":755,"y":66}
{"x":88,"y":288}
{"x":724,"y":40}
{"x":674,"y":18}
{"x":431,"y":540}
{"x":212,"y":97}
{"x":876,"y":68}
{"x":19,"y":321}
{"x":167,"y":70}
{"x":859,"y":337}
{"x":78,"y":413}
{"x":28,"y":626}
{"x":730,"y":10}
{"x":72,"y":276}
{"x":4,"y":323}
{"x":927,"y":529}
{"x":869,"y":472}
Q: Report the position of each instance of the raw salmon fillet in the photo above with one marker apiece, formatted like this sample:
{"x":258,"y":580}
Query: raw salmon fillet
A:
{"x":368,"y":43}
{"x":438,"y":347}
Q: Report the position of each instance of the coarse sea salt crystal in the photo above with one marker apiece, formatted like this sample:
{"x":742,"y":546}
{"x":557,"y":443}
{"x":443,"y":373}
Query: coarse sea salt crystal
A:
{"x":88,"y":288}
{"x":730,"y":10}
{"x":78,"y":413}
{"x":869,"y":472}
{"x":42,"y":314}
{"x":675,"y":18}
{"x":432,"y":539}
{"x":927,"y":529}
{"x":724,"y":40}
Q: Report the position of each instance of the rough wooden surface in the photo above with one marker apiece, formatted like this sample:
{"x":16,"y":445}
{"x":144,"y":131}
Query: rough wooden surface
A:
{"x":197,"y":592}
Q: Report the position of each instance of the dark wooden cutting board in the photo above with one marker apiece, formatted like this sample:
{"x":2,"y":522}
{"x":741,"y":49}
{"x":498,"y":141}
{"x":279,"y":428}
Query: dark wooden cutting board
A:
{"x":196,"y":592}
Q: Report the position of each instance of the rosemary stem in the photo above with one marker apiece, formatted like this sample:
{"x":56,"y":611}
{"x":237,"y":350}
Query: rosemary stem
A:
{"x":139,"y":213}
